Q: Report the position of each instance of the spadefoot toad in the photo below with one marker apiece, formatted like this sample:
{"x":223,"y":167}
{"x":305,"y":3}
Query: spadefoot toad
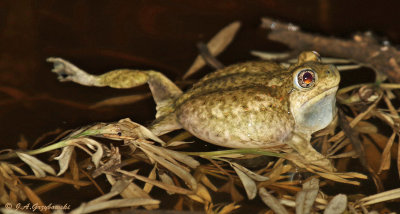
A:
{"x":246,"y":105}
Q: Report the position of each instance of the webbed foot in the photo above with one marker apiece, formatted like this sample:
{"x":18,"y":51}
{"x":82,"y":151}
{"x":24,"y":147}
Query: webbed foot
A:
{"x":66,"y":71}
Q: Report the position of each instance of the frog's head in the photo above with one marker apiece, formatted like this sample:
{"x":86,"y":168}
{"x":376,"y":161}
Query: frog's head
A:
{"x":313,"y":97}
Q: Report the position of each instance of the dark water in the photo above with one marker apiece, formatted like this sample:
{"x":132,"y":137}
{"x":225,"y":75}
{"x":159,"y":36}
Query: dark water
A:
{"x":103,"y":35}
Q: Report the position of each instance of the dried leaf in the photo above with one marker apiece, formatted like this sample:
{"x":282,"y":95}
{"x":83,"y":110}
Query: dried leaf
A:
{"x":112,"y":204}
{"x":398,"y":158}
{"x":386,"y":155}
{"x":4,"y":197}
{"x":204,"y":179}
{"x":15,"y":168}
{"x":34,"y":198}
{"x":366,"y":127}
{"x":229,"y":208}
{"x":337,"y":205}
{"x":216,"y":45}
{"x":116,"y":189}
{"x":202,"y":195}
{"x":178,"y":143}
{"x":22,"y":143}
{"x":306,"y":197}
{"x":249,"y":173}
{"x":74,"y":169}
{"x":191,"y":162}
{"x":113,"y":163}
{"x":133,"y":191}
{"x":381,"y":140}
{"x":271,"y":201}
{"x":248,"y":183}
{"x":96,"y":157}
{"x":157,"y":183}
{"x":6,"y":170}
{"x":38,"y":167}
{"x":64,"y":158}
{"x":372,"y":153}
{"x":173,"y":167}
{"x":165,"y":178}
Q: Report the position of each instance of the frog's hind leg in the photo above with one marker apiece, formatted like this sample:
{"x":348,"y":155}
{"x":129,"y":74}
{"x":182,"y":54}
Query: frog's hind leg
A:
{"x":164,"y":124}
{"x":164,"y":90}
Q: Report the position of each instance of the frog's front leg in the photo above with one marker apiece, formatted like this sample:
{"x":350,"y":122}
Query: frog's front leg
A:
{"x":163,"y":89}
{"x":302,"y":145}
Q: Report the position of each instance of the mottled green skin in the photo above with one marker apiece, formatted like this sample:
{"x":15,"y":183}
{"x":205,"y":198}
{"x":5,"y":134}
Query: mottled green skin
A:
{"x":243,"y":105}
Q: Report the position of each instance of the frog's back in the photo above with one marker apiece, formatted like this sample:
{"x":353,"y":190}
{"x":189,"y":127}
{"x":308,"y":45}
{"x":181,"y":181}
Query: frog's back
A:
{"x":243,"y":105}
{"x":246,"y":74}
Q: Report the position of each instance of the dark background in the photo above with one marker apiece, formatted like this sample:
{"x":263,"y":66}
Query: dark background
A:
{"x":102,"y":35}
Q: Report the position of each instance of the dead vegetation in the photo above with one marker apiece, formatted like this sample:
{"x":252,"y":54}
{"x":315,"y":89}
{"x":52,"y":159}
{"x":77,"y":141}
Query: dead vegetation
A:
{"x":193,"y":176}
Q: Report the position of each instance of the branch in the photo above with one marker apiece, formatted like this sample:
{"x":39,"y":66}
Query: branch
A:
{"x":363,"y":48}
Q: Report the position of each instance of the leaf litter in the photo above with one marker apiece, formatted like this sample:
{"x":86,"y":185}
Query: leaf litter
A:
{"x":196,"y":177}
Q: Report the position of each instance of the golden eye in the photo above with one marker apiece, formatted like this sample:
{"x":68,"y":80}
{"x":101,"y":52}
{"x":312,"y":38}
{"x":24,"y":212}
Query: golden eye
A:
{"x":305,"y":78}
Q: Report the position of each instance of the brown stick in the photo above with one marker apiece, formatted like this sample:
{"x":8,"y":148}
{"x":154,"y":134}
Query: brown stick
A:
{"x":363,"y":48}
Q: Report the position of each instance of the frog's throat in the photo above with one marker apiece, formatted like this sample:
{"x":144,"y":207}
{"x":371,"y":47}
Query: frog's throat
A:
{"x":318,"y":112}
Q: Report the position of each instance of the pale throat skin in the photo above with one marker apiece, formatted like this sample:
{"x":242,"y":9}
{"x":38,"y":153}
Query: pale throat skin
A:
{"x":245,"y":105}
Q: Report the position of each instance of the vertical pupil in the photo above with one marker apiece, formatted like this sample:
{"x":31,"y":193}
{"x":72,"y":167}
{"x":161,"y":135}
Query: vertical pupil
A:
{"x":307,"y":78}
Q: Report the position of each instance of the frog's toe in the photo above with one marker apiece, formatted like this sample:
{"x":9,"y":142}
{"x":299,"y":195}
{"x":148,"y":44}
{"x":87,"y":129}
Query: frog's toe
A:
{"x":66,"y":71}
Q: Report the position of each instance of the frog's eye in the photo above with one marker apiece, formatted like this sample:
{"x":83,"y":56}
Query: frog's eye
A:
{"x":305,"y":78}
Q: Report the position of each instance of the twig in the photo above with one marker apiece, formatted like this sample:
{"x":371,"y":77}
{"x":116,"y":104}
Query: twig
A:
{"x":363,"y":48}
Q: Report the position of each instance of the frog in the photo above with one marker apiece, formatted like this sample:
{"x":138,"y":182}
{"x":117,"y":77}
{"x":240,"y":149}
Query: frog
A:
{"x":253,"y":104}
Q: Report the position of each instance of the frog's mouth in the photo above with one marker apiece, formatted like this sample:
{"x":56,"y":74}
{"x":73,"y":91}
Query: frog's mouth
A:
{"x":319,"y":111}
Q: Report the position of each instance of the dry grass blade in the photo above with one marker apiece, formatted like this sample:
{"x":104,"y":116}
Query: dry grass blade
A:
{"x":381,"y":197}
{"x":64,"y":159}
{"x":38,"y":167}
{"x":148,"y":187}
{"x":216,"y":45}
{"x":158,"y":183}
{"x":337,"y":178}
{"x":271,"y":202}
{"x":112,"y":204}
{"x":306,"y":197}
{"x":166,"y":161}
{"x":337,"y":205}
